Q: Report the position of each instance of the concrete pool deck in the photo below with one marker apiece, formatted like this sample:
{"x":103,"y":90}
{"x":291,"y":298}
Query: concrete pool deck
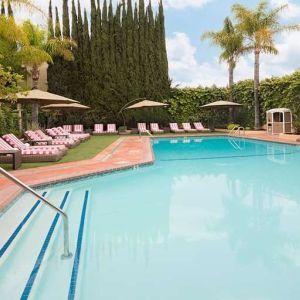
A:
{"x":125,"y":152}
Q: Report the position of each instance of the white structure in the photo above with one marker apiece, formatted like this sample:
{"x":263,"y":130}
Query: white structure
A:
{"x":279,"y":120}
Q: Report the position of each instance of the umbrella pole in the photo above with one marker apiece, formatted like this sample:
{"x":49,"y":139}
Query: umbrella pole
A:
{"x":35,"y":116}
{"x":20,"y":119}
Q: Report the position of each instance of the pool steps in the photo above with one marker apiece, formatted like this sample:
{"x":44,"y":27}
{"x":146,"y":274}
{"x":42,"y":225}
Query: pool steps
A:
{"x":20,"y":257}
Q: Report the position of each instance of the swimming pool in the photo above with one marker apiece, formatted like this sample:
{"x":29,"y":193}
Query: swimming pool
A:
{"x":213,"y":218}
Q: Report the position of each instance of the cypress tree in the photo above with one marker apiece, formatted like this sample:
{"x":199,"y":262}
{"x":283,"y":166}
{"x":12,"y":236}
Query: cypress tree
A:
{"x":124,"y":49}
{"x":3,"y":13}
{"x":164,"y":67}
{"x":86,"y":52}
{"x":66,"y":21}
{"x":142,"y":49}
{"x":57,"y":24}
{"x":136,"y":49}
{"x":50,"y":22}
{"x":9,"y":9}
{"x":98,"y":43}
{"x":94,"y":42}
{"x":74,"y":32}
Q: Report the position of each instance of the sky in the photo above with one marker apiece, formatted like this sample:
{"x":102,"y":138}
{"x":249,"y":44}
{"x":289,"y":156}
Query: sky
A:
{"x":193,"y":62}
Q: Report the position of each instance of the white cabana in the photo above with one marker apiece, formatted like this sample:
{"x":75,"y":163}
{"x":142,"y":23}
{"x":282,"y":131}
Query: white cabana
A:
{"x":279,"y":120}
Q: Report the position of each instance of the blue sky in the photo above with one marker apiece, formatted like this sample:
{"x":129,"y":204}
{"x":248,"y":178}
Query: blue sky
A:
{"x":193,"y":62}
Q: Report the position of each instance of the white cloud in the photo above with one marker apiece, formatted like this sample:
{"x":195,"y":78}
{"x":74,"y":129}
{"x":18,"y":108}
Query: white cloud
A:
{"x":187,"y":71}
{"x":293,"y":10}
{"x":179,"y":4}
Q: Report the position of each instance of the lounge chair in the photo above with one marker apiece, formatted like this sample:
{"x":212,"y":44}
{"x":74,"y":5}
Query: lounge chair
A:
{"x":142,"y":128}
{"x":174,"y":128}
{"x":187,"y":127}
{"x":98,"y":129}
{"x":32,"y":153}
{"x":155,"y":128}
{"x":13,"y":141}
{"x":78,"y":136}
{"x":10,"y":155}
{"x":39,"y":134}
{"x":67,"y":128}
{"x":111,"y":129}
{"x":199,"y":127}
{"x":78,"y":128}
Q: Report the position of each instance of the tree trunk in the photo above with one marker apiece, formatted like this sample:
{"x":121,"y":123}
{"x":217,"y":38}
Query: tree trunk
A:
{"x":35,"y":75}
{"x":35,"y":116}
{"x":256,"y":90}
{"x":20,"y":119}
{"x":231,"y":82}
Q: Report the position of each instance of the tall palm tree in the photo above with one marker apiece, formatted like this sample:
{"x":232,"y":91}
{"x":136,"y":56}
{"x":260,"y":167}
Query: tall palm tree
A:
{"x":259,"y":26}
{"x":231,"y":42}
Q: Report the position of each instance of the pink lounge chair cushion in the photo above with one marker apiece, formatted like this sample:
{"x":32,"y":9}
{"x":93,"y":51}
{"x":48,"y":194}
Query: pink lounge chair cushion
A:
{"x":14,"y":142}
{"x":98,"y":128}
{"x":67,"y":128}
{"x":111,"y":128}
{"x":78,"y":128}
{"x":40,"y":151}
{"x":174,"y":127}
{"x":155,"y":128}
{"x":187,"y":127}
{"x":200,"y":127}
{"x":142,"y":127}
{"x":5,"y":146}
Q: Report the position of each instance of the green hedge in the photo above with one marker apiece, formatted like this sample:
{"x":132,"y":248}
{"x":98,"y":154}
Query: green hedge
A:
{"x":185,"y":104}
{"x":8,"y":120}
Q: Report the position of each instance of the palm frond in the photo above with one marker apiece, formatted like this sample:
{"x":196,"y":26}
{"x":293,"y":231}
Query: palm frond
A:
{"x":61,"y":48}
{"x":31,"y":55}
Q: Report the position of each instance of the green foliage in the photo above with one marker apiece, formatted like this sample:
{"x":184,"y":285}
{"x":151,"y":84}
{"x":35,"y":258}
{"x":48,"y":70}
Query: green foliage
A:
{"x":185,"y":104}
{"x":9,"y":83}
{"x":8,"y":120}
{"x":121,"y":56}
{"x":230,"y":126}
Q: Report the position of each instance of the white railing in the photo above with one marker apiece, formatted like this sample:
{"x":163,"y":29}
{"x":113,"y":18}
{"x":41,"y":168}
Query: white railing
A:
{"x":67,"y":253}
{"x":236,"y":131}
{"x":146,"y":131}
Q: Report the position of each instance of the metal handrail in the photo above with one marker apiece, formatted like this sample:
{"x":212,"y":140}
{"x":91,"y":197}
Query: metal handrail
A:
{"x":67,"y":253}
{"x":235,"y":130}
{"x":148,"y":132}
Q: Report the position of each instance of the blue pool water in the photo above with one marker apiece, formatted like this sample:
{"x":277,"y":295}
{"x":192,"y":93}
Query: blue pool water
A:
{"x":213,"y":218}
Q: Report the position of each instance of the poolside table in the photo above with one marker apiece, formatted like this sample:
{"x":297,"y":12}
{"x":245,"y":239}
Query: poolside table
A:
{"x":16,"y":157}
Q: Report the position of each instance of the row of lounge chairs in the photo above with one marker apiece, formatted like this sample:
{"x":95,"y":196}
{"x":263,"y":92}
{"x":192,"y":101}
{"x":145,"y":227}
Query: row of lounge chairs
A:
{"x":186,"y":127}
{"x":154,"y":128}
{"x":39,"y":146}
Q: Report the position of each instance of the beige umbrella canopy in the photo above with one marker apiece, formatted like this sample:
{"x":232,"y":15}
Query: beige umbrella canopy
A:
{"x":62,"y":106}
{"x":221,"y":104}
{"x":36,"y":98}
{"x":146,"y":103}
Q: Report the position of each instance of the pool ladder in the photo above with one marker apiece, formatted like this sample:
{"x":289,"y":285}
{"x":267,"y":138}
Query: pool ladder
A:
{"x":236,"y":131}
{"x":67,"y":253}
{"x":148,"y":132}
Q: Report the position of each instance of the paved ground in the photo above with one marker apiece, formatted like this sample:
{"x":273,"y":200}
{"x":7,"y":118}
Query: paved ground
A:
{"x":124,"y":153}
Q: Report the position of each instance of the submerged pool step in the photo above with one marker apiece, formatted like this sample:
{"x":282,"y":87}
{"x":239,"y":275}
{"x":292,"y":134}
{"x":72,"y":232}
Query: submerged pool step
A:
{"x":19,"y":228}
{"x":57,"y":278}
{"x":17,"y":266}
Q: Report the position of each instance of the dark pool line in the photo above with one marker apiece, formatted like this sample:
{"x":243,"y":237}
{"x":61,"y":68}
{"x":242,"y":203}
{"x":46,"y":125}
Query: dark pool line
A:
{"x":20,"y":226}
{"x":74,"y":275}
{"x":43,"y":250}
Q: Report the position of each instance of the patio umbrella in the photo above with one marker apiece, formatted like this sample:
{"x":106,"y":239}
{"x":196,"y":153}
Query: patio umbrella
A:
{"x":36,"y":98}
{"x":221,"y":105}
{"x":147,"y":103}
{"x":70,"y":106}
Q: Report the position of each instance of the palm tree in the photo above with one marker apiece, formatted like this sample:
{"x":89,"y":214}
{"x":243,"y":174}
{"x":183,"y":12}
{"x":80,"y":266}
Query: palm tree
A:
{"x":259,"y":26}
{"x":41,"y":50}
{"x":231,"y":42}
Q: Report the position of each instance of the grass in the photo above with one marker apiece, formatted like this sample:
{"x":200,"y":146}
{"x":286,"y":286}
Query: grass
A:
{"x":86,"y":150}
